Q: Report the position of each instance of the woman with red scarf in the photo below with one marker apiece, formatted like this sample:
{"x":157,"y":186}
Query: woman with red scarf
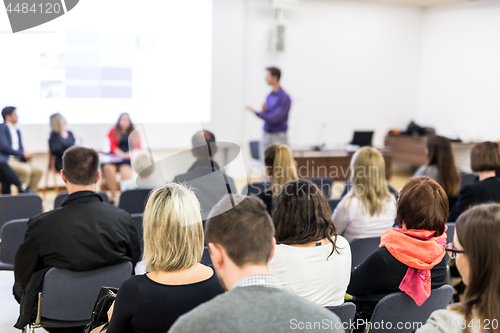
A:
{"x":410,"y":258}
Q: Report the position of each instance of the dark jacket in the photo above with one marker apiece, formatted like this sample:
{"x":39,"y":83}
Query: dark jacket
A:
{"x":58,"y":145}
{"x":84,"y":234}
{"x":485,"y":191}
{"x":208,"y":183}
{"x":6,"y":144}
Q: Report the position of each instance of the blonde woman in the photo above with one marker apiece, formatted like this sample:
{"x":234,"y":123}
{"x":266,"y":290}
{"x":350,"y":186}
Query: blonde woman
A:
{"x":368,"y":209}
{"x":280,"y":168}
{"x":176,"y":282}
{"x":60,"y":138}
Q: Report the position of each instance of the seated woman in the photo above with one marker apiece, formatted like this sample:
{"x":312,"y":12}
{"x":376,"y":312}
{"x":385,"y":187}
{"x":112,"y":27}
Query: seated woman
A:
{"x":369,"y":208}
{"x":280,"y":168}
{"x":176,"y":282}
{"x":310,"y":259}
{"x":60,"y":138}
{"x":119,"y":145}
{"x":476,"y":250}
{"x":405,"y":254}
{"x":441,"y":167}
{"x":485,"y":162}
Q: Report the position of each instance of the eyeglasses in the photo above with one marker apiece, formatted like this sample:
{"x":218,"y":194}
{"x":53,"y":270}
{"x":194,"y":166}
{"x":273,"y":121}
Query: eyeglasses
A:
{"x":452,"y":252}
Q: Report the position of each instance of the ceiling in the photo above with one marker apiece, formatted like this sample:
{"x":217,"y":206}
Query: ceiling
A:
{"x":422,"y":3}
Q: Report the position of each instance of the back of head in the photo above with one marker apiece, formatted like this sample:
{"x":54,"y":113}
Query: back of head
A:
{"x":56,"y":123}
{"x":478,"y":231}
{"x":7,"y":111}
{"x":142,"y":164}
{"x":173,"y":231}
{"x":368,"y":179}
{"x":81,"y":165}
{"x":302,"y":214}
{"x":279,"y":160}
{"x":245,"y":231}
{"x":423,"y":205}
{"x":485,"y":156}
{"x":203,"y":143}
{"x":441,"y":155}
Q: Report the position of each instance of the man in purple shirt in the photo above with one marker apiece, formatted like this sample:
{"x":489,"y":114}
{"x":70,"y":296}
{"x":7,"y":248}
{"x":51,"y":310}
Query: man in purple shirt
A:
{"x":274,"y":112}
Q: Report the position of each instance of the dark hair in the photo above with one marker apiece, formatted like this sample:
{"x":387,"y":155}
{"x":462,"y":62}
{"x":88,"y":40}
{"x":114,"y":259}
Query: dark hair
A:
{"x":440,"y":154}
{"x":302,"y":215}
{"x":80,"y":165}
{"x":485,"y":156}
{"x":478,"y":231}
{"x":203,"y":143}
{"x":423,"y":205}
{"x":118,"y":129}
{"x":7,"y":111}
{"x":244,"y":230}
{"x":274,"y":71}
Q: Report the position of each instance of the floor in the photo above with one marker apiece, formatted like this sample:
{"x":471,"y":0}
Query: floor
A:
{"x":9,"y":309}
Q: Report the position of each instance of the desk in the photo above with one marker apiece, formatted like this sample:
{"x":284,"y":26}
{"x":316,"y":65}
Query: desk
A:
{"x":334,"y":164}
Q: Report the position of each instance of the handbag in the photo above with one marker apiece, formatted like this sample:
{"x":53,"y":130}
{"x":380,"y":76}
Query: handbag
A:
{"x":100,"y":312}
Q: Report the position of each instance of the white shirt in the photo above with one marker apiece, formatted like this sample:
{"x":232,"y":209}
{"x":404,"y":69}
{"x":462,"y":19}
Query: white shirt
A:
{"x":307,"y":272}
{"x":13,"y":134}
{"x":352,"y":220}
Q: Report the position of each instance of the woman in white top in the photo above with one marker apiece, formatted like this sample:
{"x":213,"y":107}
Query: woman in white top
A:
{"x":310,"y":259}
{"x":368,"y":209}
{"x":476,"y":250}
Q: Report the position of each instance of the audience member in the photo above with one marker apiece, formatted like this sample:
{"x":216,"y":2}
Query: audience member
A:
{"x":280,"y":168}
{"x":369,"y":208}
{"x":119,"y":137}
{"x":84,"y":234}
{"x":240,"y":235}
{"x":208,"y":181}
{"x":60,"y":138}
{"x":308,"y":242}
{"x":410,"y":259}
{"x":144,"y":167}
{"x":441,"y":167}
{"x":176,"y":282}
{"x":476,"y":247}
{"x":12,"y":151}
{"x":485,"y":162}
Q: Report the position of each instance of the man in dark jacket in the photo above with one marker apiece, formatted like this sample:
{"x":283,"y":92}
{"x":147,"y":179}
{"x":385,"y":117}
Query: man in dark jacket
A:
{"x":84,"y":234}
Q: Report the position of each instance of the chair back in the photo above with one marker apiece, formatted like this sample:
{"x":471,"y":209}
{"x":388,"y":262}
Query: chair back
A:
{"x":205,"y":259}
{"x":401,"y":308}
{"x":333,"y":203}
{"x":256,"y":188}
{"x":362,"y":248}
{"x":449,"y":236}
{"x":19,"y":206}
{"x":345,"y":312}
{"x":70,"y":296}
{"x":255,"y":149}
{"x":134,"y":201}
{"x":324,"y":184}
{"x":12,"y":235}
{"x":63,"y":195}
{"x":137,"y":219}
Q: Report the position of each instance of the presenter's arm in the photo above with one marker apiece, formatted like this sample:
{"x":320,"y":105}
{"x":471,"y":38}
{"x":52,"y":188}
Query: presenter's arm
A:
{"x":278,"y":114}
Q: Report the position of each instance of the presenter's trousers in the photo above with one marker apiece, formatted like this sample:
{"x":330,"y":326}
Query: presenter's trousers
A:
{"x":272,"y":138}
{"x":27,"y":173}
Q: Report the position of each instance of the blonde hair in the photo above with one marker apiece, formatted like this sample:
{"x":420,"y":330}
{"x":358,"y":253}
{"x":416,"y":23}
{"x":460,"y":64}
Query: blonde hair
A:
{"x":56,"y":123}
{"x":368,"y":180}
{"x":173,"y":231}
{"x":142,"y":164}
{"x":279,"y":160}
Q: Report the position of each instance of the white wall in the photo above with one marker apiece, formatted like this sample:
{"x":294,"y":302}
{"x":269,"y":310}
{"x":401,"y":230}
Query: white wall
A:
{"x":460,"y":78}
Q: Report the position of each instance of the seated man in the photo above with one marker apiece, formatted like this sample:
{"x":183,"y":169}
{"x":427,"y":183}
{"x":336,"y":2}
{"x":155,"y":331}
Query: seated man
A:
{"x":8,"y":177}
{"x":209,"y":183}
{"x":12,"y":150}
{"x":84,"y":234}
{"x":241,"y":242}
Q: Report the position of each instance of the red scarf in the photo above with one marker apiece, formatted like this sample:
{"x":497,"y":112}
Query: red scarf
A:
{"x":418,"y":250}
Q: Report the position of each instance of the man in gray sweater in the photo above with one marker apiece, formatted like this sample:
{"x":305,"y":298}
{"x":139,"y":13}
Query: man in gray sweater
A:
{"x":240,"y":235}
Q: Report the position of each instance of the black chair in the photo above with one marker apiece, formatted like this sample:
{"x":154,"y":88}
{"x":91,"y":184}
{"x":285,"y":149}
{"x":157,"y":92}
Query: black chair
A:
{"x":256,"y":188}
{"x":346,"y":314}
{"x":137,"y":219}
{"x":324,"y":184}
{"x":333,"y":203}
{"x":399,"y":313}
{"x":467,"y":179}
{"x":362,"y":248}
{"x":134,"y":201}
{"x":205,"y":259}
{"x":68,"y":297}
{"x":255,"y":150}
{"x":63,"y":195}
{"x":12,"y":236}
{"x":19,"y":206}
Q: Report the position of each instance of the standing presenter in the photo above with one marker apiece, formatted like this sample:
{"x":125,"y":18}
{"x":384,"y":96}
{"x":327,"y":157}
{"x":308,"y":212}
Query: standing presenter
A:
{"x":274,"y":112}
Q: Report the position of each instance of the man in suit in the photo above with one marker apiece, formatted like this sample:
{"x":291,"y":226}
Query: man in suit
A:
{"x":84,"y":234}
{"x":12,"y":150}
{"x":209,"y":183}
